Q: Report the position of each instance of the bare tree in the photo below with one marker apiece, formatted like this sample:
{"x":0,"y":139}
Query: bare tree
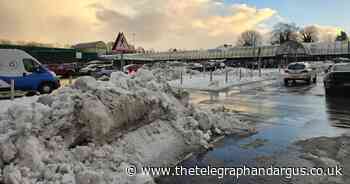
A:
{"x":110,"y":46}
{"x":38,"y":44}
{"x":342,"y":36}
{"x":283,"y":32}
{"x":5,"y":42}
{"x":309,"y":34}
{"x":68,"y":46}
{"x":249,"y":38}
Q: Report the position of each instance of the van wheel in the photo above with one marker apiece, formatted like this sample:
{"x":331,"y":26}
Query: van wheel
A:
{"x":31,"y":93}
{"x":46,"y":88}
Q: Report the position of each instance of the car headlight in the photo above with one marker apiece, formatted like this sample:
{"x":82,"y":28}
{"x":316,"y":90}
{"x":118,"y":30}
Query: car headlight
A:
{"x":53,"y":74}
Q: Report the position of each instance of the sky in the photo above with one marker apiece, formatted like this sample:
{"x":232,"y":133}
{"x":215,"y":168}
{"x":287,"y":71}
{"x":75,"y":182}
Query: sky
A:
{"x":163,"y":24}
{"x":304,"y":12}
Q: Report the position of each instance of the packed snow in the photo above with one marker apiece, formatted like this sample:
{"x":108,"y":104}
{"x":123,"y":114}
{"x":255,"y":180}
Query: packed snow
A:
{"x":89,"y":132}
{"x":223,"y":79}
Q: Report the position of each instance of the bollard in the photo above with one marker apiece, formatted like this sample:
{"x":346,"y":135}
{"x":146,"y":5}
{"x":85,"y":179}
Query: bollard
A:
{"x":240,"y":73}
{"x":211,"y":75}
{"x":226,"y":76}
{"x":204,"y":69}
{"x":12,"y":89}
{"x":181,"y":78}
{"x":70,"y":80}
{"x":259,"y":66}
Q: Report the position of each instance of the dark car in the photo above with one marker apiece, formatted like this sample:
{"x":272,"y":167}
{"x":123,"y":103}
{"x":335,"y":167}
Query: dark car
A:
{"x":65,"y":70}
{"x":196,"y":66}
{"x":103,"y":70}
{"x":337,"y":80}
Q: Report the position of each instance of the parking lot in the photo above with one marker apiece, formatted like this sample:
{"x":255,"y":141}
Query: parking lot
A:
{"x":284,"y":116}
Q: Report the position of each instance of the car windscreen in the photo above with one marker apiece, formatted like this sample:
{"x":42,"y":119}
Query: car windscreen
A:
{"x":296,"y":66}
{"x":341,"y":68}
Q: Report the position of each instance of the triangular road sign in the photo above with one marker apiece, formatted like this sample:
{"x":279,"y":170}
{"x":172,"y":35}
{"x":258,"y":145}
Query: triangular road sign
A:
{"x":121,"y":44}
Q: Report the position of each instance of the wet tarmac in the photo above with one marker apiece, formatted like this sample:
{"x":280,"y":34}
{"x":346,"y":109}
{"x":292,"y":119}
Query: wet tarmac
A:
{"x":283,"y":115}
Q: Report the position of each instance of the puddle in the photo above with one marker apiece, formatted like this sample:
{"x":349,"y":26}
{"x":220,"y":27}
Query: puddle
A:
{"x":254,"y":144}
{"x":282,"y":119}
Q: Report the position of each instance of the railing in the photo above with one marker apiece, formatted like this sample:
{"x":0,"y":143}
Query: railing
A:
{"x":334,"y":48}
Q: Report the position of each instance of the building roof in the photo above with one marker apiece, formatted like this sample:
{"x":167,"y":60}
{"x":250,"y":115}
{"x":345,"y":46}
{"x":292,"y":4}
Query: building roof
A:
{"x":88,"y":45}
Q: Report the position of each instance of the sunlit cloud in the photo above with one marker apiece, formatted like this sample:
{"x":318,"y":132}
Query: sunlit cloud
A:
{"x":159,"y":24}
{"x":327,"y":33}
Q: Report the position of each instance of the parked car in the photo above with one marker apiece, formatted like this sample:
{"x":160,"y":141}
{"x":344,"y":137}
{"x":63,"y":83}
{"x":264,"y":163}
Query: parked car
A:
{"x":300,"y":71}
{"x":132,"y":68}
{"x":337,"y":80}
{"x":89,"y":69}
{"x":103,"y":70}
{"x":65,"y":70}
{"x":196,"y":66}
{"x":26,"y":72}
{"x":100,"y":62}
{"x":220,"y":65}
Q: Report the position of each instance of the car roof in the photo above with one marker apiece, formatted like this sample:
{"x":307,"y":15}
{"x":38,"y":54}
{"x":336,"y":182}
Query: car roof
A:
{"x":341,"y":64}
{"x":304,"y":63}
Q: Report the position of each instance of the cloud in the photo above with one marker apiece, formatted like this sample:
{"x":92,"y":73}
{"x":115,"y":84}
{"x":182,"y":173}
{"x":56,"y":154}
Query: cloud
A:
{"x":159,"y":24}
{"x":326,"y":33}
{"x":61,"y":21}
{"x":242,"y":18}
{"x":184,"y":23}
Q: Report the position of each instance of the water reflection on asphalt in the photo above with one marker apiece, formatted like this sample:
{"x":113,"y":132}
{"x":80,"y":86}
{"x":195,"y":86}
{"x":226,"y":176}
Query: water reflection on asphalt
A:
{"x":283,"y":115}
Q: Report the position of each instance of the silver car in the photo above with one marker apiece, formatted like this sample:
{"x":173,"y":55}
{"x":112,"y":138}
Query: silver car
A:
{"x":300,"y":71}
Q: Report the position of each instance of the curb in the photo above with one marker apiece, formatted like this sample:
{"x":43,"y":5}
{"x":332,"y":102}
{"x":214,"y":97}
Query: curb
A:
{"x":227,"y":87}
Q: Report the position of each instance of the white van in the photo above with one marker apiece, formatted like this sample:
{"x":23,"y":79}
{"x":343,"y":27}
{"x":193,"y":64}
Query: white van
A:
{"x":28,"y":74}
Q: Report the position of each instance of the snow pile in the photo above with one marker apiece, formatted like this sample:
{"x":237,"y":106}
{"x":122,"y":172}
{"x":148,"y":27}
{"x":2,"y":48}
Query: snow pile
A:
{"x":170,"y":71}
{"x":221,"y":80}
{"x":90,"y":132}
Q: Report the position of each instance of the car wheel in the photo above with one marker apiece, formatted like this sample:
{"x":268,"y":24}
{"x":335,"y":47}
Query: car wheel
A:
{"x":69,"y":74}
{"x":286,"y":82}
{"x":328,"y":92}
{"x":308,"y":81}
{"x":314,"y":80}
{"x":46,"y":88}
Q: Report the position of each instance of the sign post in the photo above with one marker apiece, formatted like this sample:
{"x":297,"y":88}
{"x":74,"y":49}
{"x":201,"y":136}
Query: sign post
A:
{"x":122,"y":47}
{"x":12,"y":89}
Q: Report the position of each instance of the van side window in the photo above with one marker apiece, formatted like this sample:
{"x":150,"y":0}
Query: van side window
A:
{"x":30,"y":65}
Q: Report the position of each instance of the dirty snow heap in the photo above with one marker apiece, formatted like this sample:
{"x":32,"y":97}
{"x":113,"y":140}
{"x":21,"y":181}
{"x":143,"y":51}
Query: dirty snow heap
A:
{"x":90,"y":132}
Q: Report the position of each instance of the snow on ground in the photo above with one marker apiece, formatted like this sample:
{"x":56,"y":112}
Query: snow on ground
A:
{"x":88,"y":133}
{"x":235,"y":77}
{"x":25,"y":101}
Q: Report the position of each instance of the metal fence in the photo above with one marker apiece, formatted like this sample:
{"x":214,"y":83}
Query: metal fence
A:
{"x":331,"y":48}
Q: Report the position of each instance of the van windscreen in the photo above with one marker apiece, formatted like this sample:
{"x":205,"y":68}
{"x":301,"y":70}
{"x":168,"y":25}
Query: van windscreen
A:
{"x":30,"y":65}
